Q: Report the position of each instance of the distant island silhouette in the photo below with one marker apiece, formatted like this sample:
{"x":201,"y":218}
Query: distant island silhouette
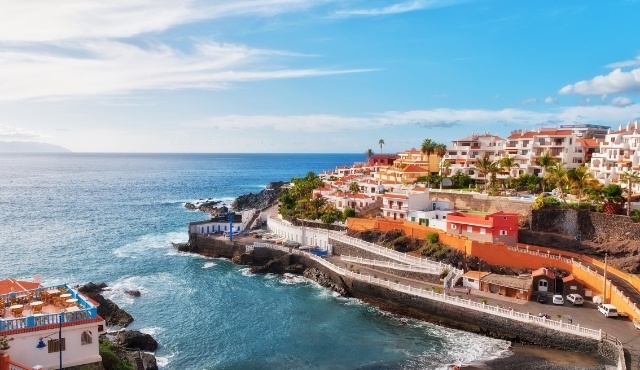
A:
{"x":30,"y":147}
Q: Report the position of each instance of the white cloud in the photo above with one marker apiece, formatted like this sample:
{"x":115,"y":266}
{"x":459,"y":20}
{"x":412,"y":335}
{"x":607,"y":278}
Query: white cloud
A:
{"x":47,"y":20}
{"x":528,"y":101}
{"x":434,"y":118}
{"x":615,"y":82}
{"x":621,"y":101}
{"x":12,"y":133}
{"x":550,"y":100}
{"x":110,"y":67}
{"x":626,"y":63}
{"x":397,"y":8}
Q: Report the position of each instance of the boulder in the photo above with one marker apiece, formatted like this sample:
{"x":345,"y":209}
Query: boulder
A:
{"x":133,"y":293}
{"x":110,"y":312}
{"x":135,"y":339}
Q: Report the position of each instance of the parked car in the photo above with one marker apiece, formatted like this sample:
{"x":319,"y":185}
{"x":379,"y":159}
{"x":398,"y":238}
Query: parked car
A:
{"x":575,"y":299}
{"x":542,"y":298}
{"x":608,"y":310}
{"x":557,"y":299}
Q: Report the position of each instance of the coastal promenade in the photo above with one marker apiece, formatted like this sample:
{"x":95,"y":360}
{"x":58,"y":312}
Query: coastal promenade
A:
{"x":563,"y":319}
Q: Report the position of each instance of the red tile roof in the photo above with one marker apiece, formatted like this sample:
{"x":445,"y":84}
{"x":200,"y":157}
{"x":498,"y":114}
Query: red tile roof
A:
{"x":9,"y":284}
{"x":414,"y":169}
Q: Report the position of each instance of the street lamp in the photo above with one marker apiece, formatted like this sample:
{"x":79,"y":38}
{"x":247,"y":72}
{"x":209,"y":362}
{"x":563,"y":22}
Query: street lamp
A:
{"x":41,"y":344}
{"x":231,"y":218}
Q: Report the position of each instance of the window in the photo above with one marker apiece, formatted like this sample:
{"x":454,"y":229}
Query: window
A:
{"x":469,"y":229}
{"x":503,"y":232}
{"x":483,"y":231}
{"x":54,"y":345}
{"x":86,"y":338}
{"x":454,"y":226}
{"x":471,"y":280}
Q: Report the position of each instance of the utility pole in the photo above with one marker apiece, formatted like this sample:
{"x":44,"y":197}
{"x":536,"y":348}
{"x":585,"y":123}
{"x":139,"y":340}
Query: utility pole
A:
{"x":604,"y":283}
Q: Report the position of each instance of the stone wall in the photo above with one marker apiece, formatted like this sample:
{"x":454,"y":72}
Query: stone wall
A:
{"x":341,"y":249}
{"x":592,"y":225}
{"x":485,"y":203}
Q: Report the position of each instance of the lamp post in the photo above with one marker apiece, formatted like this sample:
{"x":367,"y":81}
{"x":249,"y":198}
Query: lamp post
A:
{"x":231,"y":218}
{"x":41,"y":343}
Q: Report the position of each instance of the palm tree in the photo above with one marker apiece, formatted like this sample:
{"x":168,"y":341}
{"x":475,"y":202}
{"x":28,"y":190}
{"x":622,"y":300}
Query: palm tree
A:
{"x":369,"y":153}
{"x":508,"y":163}
{"x":558,"y":176}
{"x":381,"y":143}
{"x":545,"y":161}
{"x":428,"y":147}
{"x":581,"y":178}
{"x":631,"y":177}
{"x":485,"y":166}
{"x":354,"y":187}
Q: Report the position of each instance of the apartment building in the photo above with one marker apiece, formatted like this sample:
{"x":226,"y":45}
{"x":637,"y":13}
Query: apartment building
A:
{"x":463,"y":153}
{"x":617,"y":154}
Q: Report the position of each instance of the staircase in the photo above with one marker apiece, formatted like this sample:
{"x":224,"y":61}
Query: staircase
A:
{"x":139,"y":362}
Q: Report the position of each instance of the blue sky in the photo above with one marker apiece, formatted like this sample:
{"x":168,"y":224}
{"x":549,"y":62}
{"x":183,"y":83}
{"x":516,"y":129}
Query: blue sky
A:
{"x":309,"y":76}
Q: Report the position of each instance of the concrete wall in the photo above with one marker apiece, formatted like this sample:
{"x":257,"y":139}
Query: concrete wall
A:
{"x":593,"y":225}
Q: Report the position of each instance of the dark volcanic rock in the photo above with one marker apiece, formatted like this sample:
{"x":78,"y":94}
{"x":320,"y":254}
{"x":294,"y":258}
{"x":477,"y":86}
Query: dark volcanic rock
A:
{"x":136,"y":339}
{"x":324,"y":280}
{"x":110,"y":312}
{"x":265,"y":198}
{"x":133,"y":293}
{"x":279,"y":266}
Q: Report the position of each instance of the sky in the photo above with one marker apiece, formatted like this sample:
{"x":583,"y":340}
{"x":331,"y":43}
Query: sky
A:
{"x":309,"y":76}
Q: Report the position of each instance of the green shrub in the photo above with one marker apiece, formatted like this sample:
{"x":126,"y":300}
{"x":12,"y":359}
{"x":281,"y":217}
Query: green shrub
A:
{"x":635,"y":216}
{"x":432,"y":238}
{"x":109,"y":359}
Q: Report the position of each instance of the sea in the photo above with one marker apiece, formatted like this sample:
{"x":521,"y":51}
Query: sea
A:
{"x":77,"y":218}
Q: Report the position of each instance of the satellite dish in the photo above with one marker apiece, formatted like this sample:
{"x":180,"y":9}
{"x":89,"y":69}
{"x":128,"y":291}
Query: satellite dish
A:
{"x":447,"y":182}
{"x":37,"y":278}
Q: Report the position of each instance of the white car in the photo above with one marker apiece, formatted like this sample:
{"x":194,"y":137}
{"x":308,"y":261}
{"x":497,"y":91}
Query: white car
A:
{"x":557,"y":299}
{"x":608,"y":310}
{"x":575,"y":299}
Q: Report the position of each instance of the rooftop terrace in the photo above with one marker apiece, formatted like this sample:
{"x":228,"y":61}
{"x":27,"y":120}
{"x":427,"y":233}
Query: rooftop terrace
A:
{"x":43,"y":306}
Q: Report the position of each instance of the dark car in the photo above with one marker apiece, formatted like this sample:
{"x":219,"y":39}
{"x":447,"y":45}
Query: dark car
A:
{"x":542,"y":298}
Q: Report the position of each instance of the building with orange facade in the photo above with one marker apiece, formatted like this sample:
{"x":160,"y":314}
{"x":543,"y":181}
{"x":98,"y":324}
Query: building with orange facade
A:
{"x":498,"y":227}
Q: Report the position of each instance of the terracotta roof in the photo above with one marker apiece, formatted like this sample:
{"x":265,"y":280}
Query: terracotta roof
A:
{"x":414,"y":169}
{"x":476,"y":274}
{"x":517,"y":282}
{"x":395,"y":196}
{"x":589,"y":142}
{"x":543,"y":272}
{"x":568,"y":278}
{"x":8,"y":284}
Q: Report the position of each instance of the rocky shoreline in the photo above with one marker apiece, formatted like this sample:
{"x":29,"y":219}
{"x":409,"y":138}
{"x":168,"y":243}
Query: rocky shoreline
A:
{"x":127,"y":345}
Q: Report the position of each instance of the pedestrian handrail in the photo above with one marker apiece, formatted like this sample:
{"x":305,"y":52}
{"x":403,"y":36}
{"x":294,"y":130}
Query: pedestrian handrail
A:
{"x":393,"y":265}
{"x":395,"y":255}
{"x":508,"y":313}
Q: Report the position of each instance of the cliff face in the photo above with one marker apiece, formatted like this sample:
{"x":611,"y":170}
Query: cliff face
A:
{"x":264,"y":199}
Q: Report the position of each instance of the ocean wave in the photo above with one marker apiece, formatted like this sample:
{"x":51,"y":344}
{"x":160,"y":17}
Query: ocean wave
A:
{"x":163,"y":361}
{"x":147,"y":243}
{"x":247,"y":271}
{"x":208,"y":265}
{"x":153,"y":330}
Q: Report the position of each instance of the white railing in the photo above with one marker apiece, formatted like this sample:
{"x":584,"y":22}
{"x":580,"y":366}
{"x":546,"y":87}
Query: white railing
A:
{"x":395,"y":255}
{"x":393,"y":265}
{"x":583,"y":267}
{"x":453,"y":300}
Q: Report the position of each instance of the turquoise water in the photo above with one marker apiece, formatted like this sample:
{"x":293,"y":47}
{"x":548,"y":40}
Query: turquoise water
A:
{"x":76,"y":218}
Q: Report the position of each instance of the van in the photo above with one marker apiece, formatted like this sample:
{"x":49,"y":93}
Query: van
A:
{"x":575,"y":299}
{"x":608,"y":310}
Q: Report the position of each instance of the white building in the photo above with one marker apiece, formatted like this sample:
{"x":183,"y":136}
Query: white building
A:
{"x":617,"y":155}
{"x":435,"y":216}
{"x":50,"y":324}
{"x":463,"y":153}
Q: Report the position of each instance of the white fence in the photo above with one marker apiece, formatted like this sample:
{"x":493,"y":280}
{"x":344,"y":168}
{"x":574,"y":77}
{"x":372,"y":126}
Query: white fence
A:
{"x":434,"y":270}
{"x":454,"y":300}
{"x":395,"y":255}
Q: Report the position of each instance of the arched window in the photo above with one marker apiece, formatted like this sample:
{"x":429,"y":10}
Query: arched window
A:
{"x":86,"y":337}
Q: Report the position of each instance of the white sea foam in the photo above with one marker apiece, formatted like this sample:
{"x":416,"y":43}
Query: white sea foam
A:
{"x":291,"y":279}
{"x":208,"y":265}
{"x":247,"y":271}
{"x":153,"y":331}
{"x":163,"y":361}
{"x":148,"y":243}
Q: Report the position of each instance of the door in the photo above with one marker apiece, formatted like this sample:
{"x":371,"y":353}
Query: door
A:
{"x":543,"y":285}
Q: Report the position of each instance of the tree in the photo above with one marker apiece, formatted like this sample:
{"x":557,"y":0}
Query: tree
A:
{"x":349,"y":212}
{"x":545,"y":161}
{"x":558,"y":176}
{"x":508,"y":163}
{"x":369,"y":153}
{"x":428,"y":147}
{"x":581,"y":178}
{"x":381,"y":143}
{"x":354,"y":187}
{"x":485,"y":166}
{"x":630,"y":177}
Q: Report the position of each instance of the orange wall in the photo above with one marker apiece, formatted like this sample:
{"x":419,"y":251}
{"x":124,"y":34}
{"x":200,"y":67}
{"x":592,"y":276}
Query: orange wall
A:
{"x":499,"y":254}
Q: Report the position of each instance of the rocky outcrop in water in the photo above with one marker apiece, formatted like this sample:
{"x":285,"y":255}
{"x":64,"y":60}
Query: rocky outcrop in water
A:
{"x":324,"y":280}
{"x":264,"y":199}
{"x":125,"y":340}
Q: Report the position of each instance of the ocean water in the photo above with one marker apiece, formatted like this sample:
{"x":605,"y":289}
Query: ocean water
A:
{"x":76,"y":218}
